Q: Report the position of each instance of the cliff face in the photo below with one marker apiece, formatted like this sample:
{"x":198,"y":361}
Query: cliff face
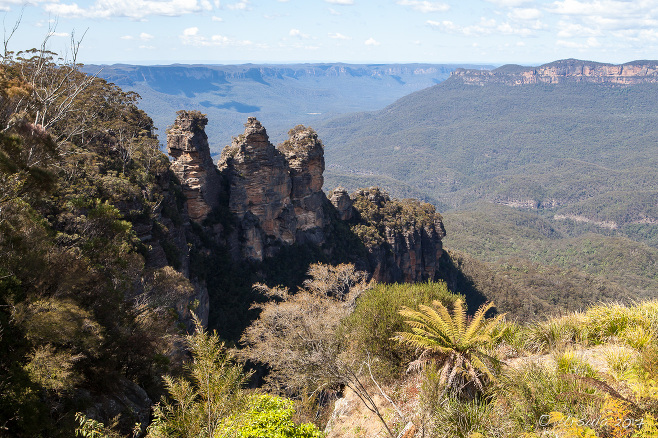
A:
{"x":563,"y":71}
{"x":260,"y":189}
{"x":403,"y":237}
{"x":304,"y":154}
{"x":187,"y":144}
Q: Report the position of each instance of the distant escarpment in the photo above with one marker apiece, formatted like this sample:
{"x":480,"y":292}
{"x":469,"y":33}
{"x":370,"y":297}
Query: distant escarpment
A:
{"x":563,"y":71}
{"x":271,"y":198}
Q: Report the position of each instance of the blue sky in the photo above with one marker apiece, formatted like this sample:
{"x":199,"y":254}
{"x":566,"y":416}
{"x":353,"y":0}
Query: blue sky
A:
{"x":526,"y":32}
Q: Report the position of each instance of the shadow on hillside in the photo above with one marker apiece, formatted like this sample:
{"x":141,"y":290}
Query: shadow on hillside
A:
{"x":458,"y":282}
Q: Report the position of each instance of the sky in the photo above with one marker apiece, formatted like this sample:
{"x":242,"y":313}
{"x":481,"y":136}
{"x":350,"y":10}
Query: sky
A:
{"x":527,"y":32}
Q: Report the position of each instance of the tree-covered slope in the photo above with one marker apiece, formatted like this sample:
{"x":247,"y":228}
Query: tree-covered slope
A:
{"x":549,"y":144}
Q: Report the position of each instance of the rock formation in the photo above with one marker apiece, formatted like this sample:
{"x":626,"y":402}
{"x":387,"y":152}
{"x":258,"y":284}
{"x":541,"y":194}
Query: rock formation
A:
{"x":563,"y":71}
{"x":187,"y":144}
{"x":341,"y":200}
{"x":305,"y":156}
{"x":403,"y":237}
{"x":275,"y":197}
{"x":259,"y":188}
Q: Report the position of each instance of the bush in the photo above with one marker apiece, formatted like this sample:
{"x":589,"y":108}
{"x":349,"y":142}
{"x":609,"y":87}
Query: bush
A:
{"x":526,"y":395}
{"x":375,"y":321}
{"x":610,"y":320}
{"x":271,"y":417}
{"x":556,"y":333}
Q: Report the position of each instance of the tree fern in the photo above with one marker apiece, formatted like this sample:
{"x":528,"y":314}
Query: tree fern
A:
{"x":456,"y":344}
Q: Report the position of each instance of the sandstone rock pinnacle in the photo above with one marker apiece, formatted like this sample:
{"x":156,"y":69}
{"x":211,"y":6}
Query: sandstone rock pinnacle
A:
{"x":187,"y":144}
{"x":259,"y":191}
{"x":341,"y":200}
{"x":304,"y":153}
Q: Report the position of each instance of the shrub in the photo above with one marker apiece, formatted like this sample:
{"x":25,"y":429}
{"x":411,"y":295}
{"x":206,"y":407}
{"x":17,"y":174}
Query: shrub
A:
{"x":376,"y":319}
{"x":526,"y":395}
{"x":459,"y":346}
{"x":462,"y":419}
{"x":296,"y":335}
{"x":203,"y":405}
{"x":271,"y":417}
{"x":556,"y":333}
{"x":605,"y":321}
{"x":569,"y":363}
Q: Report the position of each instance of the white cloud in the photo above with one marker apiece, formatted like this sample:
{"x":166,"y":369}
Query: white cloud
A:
{"x":591,"y":42}
{"x":371,"y":42}
{"x":60,"y":34}
{"x":615,"y":20}
{"x":242,"y":5}
{"x":127,"y":37}
{"x":570,"y":30}
{"x":340,"y":2}
{"x":135,"y":9}
{"x":524,"y":14}
{"x":191,"y":37}
{"x":485,"y":27}
{"x":216,"y":18}
{"x":637,"y":35}
{"x":145,"y":36}
{"x":425,"y":6}
{"x":509,"y":3}
{"x":339,"y":36}
{"x":333,"y":11}
{"x":640,"y":11}
{"x":296,"y":33}
{"x":5,"y":5}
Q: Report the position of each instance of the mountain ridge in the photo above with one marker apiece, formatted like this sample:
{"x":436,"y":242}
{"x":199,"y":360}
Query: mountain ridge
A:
{"x":280,"y":95}
{"x":564,"y":70}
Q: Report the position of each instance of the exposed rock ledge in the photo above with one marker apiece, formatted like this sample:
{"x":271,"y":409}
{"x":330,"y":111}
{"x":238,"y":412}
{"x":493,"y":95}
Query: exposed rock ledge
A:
{"x":566,"y":70}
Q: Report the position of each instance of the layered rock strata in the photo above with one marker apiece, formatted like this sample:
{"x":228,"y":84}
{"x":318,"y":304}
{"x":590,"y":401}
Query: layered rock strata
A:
{"x":304,"y":153}
{"x":259,"y":188}
{"x":341,"y":200}
{"x":563,"y":71}
{"x":187,"y":144}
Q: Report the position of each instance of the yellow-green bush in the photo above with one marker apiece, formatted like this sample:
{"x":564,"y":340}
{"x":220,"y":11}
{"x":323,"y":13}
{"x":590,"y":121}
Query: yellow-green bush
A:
{"x":375,"y":320}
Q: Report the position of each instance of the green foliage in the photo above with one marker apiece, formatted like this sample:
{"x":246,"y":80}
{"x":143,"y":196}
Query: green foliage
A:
{"x":81,"y":176}
{"x":568,"y":362}
{"x":527,"y":394}
{"x":90,"y":428}
{"x":378,"y":213}
{"x":611,"y":320}
{"x":428,"y":140}
{"x":458,"y":346}
{"x":555,"y":333}
{"x":202,"y":405}
{"x":376,"y":319}
{"x":271,"y":417}
{"x":461,"y":419}
{"x":548,"y":270}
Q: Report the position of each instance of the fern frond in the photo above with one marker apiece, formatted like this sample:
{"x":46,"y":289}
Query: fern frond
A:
{"x":478,"y":319}
{"x":438,"y":319}
{"x":459,"y":320}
